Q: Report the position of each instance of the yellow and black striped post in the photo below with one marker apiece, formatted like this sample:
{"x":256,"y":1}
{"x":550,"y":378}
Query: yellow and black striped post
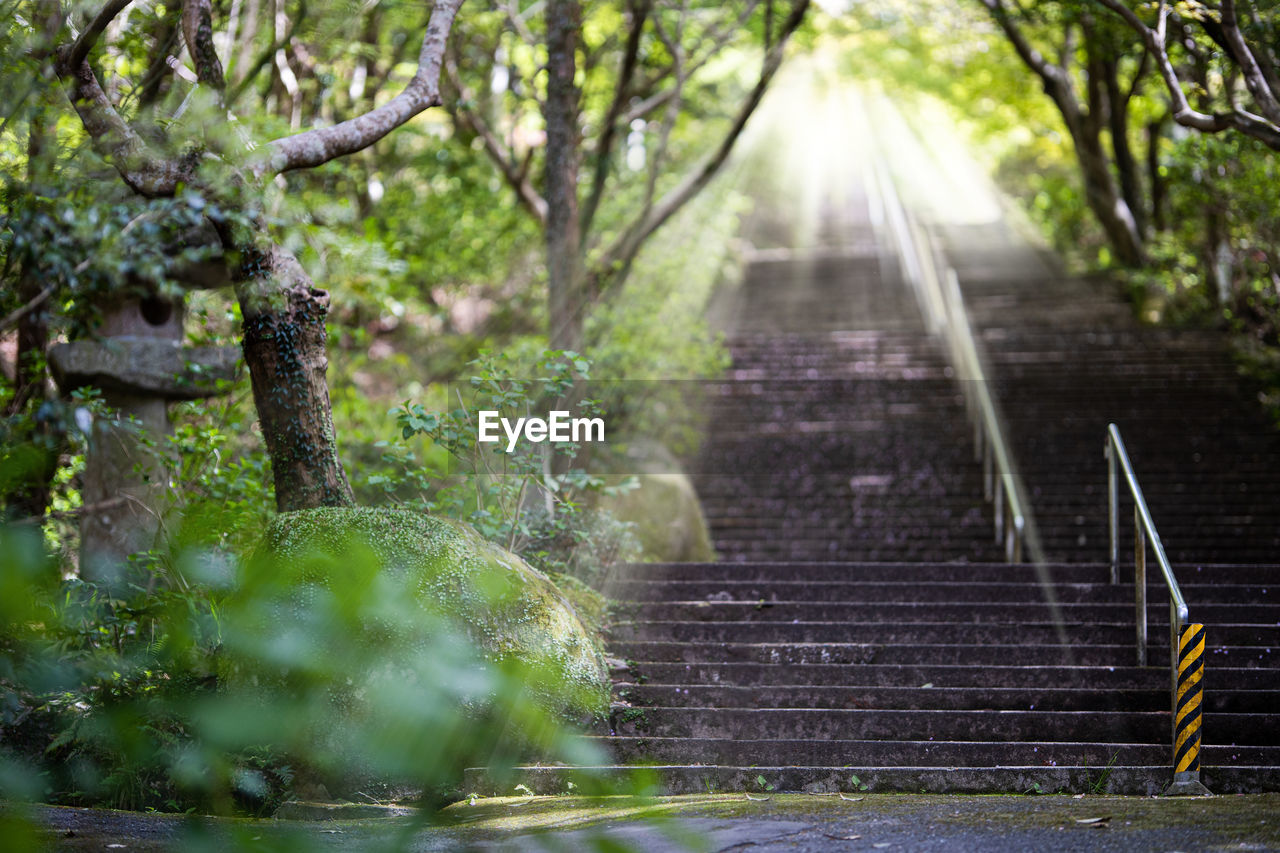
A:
{"x":1188,"y":697}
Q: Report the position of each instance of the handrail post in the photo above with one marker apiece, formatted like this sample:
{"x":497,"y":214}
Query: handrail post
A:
{"x":1140,"y":584}
{"x":1175,"y":635}
{"x":1113,"y":507}
{"x":1010,"y":538}
{"x":1187,"y":666}
{"x":998,"y":512}
{"x":988,"y":473}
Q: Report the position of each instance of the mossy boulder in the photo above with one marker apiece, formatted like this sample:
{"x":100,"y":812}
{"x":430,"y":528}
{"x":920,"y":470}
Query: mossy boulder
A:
{"x":665,"y":510}
{"x":509,"y":609}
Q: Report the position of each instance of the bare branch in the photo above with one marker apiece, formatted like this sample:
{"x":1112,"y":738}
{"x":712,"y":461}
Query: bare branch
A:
{"x":321,"y":145}
{"x":1183,"y":113}
{"x":32,"y":304}
{"x":1254,"y":78}
{"x":1052,"y":75}
{"x":1143,"y":65}
{"x":708,"y":46}
{"x":54,"y":515}
{"x":516,"y":176}
{"x":80,"y":50}
{"x":518,"y":23}
{"x":1265,"y":56}
{"x":622,"y":91}
{"x":624,"y":249}
{"x":648,"y":105}
{"x":146,"y":172}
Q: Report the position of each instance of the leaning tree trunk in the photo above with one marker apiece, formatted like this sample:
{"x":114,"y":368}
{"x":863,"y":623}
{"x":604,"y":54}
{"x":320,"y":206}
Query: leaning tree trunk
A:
{"x":1126,"y":164}
{"x":565,"y":296}
{"x":1111,"y":210}
{"x":284,"y":347}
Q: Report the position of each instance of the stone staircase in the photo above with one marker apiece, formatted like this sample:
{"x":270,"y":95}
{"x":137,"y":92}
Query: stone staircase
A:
{"x":1067,"y":358}
{"x":860,"y":633}
{"x":931,"y":676}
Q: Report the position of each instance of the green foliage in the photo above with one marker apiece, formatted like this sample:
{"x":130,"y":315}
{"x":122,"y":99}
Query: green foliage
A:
{"x":224,"y":693}
{"x":530,"y":499}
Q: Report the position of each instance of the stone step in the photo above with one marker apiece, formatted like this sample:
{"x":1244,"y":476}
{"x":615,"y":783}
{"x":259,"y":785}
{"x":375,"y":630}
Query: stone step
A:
{"x":1039,"y":633}
{"x":954,"y":654}
{"x":936,"y":753}
{"x":1005,"y":612}
{"x":917,"y":592}
{"x":801,"y":695}
{"x":894,"y":724}
{"x":1123,"y":676}
{"x":1149,"y":780}
{"x":1092,"y":573}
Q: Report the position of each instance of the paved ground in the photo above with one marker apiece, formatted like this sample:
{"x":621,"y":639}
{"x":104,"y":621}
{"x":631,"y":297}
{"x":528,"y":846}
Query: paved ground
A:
{"x":790,"y":822}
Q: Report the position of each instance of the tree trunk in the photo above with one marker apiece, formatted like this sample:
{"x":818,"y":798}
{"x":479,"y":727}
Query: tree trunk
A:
{"x":31,"y":499}
{"x":284,"y":347}
{"x":1111,"y":209}
{"x":1126,"y":163}
{"x":565,"y":298}
{"x":1155,"y":130}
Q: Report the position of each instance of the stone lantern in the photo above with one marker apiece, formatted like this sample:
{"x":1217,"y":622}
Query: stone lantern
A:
{"x":140,"y":365}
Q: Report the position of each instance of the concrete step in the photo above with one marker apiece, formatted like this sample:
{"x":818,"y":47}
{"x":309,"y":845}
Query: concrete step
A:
{"x":1001,"y":675}
{"x":1149,"y":780}
{"x":894,"y":724}
{"x":702,"y":695}
{"x":1005,"y":612}
{"x":914,"y":591}
{"x":893,"y":753}
{"x":1034,"y":633}
{"x":1091,"y":573}
{"x":953,"y":654}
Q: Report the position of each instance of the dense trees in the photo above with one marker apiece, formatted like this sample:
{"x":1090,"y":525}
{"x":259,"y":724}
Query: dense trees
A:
{"x":1138,"y":134}
{"x":1229,"y":55}
{"x":1086,"y":49}
{"x":283,"y":312}
{"x":623,"y":84}
{"x":210,"y":104}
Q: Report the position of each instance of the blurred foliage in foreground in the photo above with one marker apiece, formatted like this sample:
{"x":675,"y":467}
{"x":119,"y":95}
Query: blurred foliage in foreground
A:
{"x":224,"y":684}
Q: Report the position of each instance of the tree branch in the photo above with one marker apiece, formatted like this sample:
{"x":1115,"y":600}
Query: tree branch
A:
{"x":32,"y":304}
{"x":623,"y":251}
{"x":516,"y":176}
{"x":1254,"y":77}
{"x":648,"y":105}
{"x":604,"y":150}
{"x":1266,"y":55}
{"x":321,"y":145}
{"x":84,"y":44}
{"x":1183,"y":113}
{"x":519,"y":24}
{"x":1054,"y":77}
{"x":146,"y":172}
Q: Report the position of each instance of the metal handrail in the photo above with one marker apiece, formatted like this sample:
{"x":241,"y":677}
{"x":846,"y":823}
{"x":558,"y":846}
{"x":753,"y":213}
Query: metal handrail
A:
{"x":942,"y":305}
{"x":1143,"y":528}
{"x":1186,"y":640}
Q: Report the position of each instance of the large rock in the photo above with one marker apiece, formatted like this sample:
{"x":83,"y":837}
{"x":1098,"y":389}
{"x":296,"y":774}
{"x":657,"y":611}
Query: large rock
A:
{"x":507,"y":607}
